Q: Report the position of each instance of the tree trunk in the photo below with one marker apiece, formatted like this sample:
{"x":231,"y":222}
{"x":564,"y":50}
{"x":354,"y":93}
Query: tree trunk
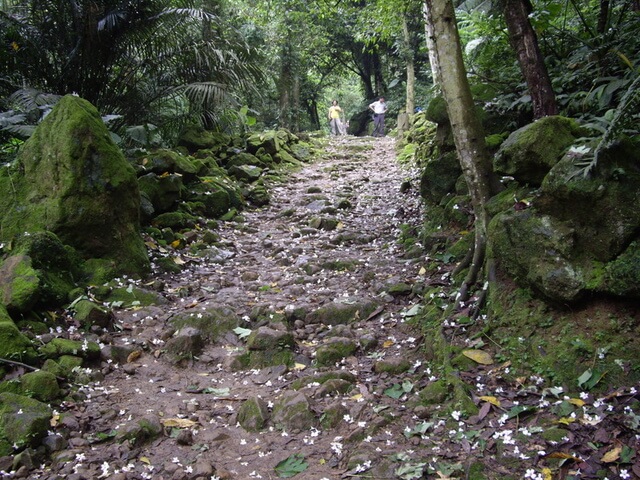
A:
{"x":431,"y":48}
{"x":467,"y":129}
{"x":284,"y":86}
{"x":411,"y":74}
{"x":603,"y":16}
{"x":524,"y":41}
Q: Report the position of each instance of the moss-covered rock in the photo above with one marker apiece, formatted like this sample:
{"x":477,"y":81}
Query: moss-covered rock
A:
{"x":293,"y":412}
{"x":439,"y":176}
{"x":529,"y":153}
{"x":71,"y":179}
{"x":163,"y":161}
{"x":195,"y":138}
{"x":435,"y":393}
{"x":265,"y":338}
{"x":258,"y":195}
{"x":39,"y":273}
{"x":13,"y":344}
{"x":335,"y":350}
{"x":76,"y":348}
{"x":212,"y":322}
{"x":140,"y":431}
{"x":23,"y":421}
{"x":124,"y":296}
{"x":253,"y":414}
{"x":622,"y":275}
{"x":40,"y":385}
{"x":245,"y":173}
{"x":88,"y":313}
{"x":394,"y":366}
{"x":162,"y":191}
{"x":187,"y":344}
{"x":603,"y":207}
{"x":535,"y":251}
{"x":267,"y":141}
{"x":345,"y":311}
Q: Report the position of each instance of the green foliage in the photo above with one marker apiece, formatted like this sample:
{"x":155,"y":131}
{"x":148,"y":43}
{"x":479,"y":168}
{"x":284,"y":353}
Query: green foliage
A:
{"x":160,"y":62}
{"x":291,"y":466}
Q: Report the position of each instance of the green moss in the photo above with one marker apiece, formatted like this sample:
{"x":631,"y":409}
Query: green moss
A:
{"x":322,"y":378}
{"x":561,"y":345}
{"x":330,"y":353}
{"x":72,"y":178}
{"x":132,"y":296}
{"x":63,"y":346}
{"x":393,"y":367}
{"x":213,"y":322}
{"x":13,"y":344}
{"x":40,"y":385}
{"x":262,"y":359}
{"x":555,"y":435}
{"x":253,"y":415}
{"x":23,"y":421}
{"x":435,"y":393}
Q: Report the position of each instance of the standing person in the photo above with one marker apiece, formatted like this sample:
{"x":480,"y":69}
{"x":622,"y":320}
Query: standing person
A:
{"x":334,"y":118}
{"x":379,"y":108}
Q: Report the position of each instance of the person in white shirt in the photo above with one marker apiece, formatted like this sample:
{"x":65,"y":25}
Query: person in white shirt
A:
{"x":379,"y":108}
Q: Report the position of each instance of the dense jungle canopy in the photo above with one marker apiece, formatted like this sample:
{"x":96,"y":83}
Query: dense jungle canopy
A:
{"x":152,"y":66}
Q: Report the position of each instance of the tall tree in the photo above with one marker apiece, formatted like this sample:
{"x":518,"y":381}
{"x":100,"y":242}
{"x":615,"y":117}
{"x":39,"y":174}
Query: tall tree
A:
{"x":524,"y":41}
{"x":467,"y":130}
{"x":138,"y":59}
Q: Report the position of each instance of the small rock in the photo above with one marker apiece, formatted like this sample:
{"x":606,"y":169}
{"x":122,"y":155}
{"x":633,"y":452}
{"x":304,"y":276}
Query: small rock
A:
{"x":185,"y":437}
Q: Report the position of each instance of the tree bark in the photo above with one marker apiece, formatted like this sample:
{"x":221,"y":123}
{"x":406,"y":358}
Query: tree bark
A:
{"x":410,"y":65}
{"x":524,"y":41}
{"x":467,"y":130}
{"x":603,"y":16}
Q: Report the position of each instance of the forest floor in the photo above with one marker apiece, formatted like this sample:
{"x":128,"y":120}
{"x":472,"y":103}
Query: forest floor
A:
{"x":368,"y":421}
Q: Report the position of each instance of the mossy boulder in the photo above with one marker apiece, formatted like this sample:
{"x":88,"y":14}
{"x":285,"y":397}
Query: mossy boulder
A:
{"x":246,"y":158}
{"x":268,"y":141}
{"x":195,"y":138}
{"x":127,"y":296}
{"x":267,"y":339}
{"x":63,"y":346}
{"x":258,"y":194}
{"x":40,"y":385}
{"x":165,"y":161}
{"x":578,"y":233}
{"x":293,"y":412}
{"x":186,"y":344}
{"x":439,"y":177}
{"x":71,"y":179}
{"x":343,"y":311}
{"x":622,"y":276}
{"x":435,"y":393}
{"x":88,"y":313}
{"x":140,"y":431}
{"x":529,"y":153}
{"x":39,"y":273}
{"x":13,"y":344}
{"x":253,"y":414}
{"x":213,"y":321}
{"x":23,"y":421}
{"x":535,"y":251}
{"x":245,"y":173}
{"x":162,"y":191}
{"x":436,"y":111}
{"x":603,"y":207}
{"x":335,"y":350}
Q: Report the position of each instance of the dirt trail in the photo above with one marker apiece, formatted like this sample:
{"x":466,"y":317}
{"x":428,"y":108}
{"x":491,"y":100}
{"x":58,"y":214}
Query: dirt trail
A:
{"x":271,"y":263}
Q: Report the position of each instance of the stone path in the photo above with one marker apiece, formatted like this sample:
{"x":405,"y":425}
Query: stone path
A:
{"x":329,"y":237}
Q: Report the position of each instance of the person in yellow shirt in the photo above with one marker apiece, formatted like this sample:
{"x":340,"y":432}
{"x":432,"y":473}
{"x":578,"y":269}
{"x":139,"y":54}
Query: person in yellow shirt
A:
{"x":334,"y":118}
